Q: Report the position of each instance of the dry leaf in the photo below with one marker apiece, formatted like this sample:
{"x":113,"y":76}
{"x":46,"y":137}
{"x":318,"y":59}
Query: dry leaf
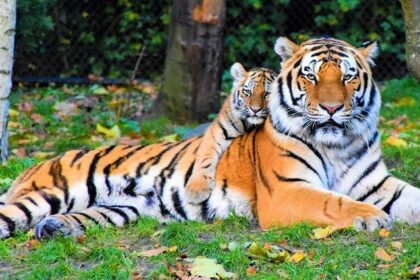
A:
{"x":321,"y":233}
{"x":321,"y":260}
{"x":396,"y":245}
{"x":36,"y":117}
{"x":153,"y":252}
{"x":32,"y":244}
{"x":383,"y":265}
{"x":173,"y":249}
{"x":251,"y":271}
{"x":297,"y":257}
{"x":267,"y":246}
{"x":408,"y":101}
{"x":383,"y":255}
{"x":80,"y":239}
{"x":395,"y":141}
{"x":384,"y":232}
{"x":113,"y":133}
{"x":205,"y":267}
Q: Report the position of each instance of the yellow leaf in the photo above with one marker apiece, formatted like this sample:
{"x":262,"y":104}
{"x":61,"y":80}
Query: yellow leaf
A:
{"x":113,"y":133}
{"x":101,"y":91}
{"x":395,"y":141}
{"x":209,"y":268}
{"x":321,"y":233}
{"x":383,"y":255}
{"x":172,"y":249}
{"x":408,"y":101}
{"x":170,"y":138}
{"x":384,"y":232}
{"x":43,"y":155}
{"x":13,"y":113}
{"x":396,"y":245}
{"x":297,"y":257}
{"x":251,"y":271}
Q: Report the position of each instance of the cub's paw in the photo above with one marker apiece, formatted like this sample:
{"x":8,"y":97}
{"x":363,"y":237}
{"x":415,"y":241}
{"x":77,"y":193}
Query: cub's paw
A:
{"x":199,"y":188}
{"x":53,"y":225}
{"x":370,"y":223}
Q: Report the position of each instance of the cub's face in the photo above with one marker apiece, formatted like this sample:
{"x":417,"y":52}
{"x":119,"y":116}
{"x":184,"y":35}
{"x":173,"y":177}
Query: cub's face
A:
{"x":251,"y":90}
{"x":326,"y":89}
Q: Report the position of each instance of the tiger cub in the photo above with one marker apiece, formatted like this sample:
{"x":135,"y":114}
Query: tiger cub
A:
{"x":245,"y":108}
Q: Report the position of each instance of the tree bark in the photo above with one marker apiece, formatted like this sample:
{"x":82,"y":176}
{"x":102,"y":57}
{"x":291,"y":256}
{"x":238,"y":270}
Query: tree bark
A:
{"x":411,"y":11}
{"x":192,"y":75}
{"x":7,"y":40}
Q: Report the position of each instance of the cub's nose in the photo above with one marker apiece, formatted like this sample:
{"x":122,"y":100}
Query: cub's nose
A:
{"x":255,"y":109}
{"x":331,"y":109}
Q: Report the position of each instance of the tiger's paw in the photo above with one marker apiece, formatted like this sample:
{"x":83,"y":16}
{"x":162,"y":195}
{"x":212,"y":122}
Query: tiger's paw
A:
{"x":370,"y":223}
{"x":199,"y":188}
{"x":54,"y":225}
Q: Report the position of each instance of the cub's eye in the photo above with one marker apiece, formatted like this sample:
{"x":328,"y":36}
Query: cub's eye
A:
{"x":267,"y":94}
{"x":247,"y":92}
{"x":347,"y":77}
{"x":311,"y":77}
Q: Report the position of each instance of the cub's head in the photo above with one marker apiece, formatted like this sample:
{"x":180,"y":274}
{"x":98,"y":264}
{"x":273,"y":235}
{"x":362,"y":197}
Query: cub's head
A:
{"x":325,"y":90}
{"x":250,"y":92}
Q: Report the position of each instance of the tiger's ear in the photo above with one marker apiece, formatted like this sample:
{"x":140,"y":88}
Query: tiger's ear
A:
{"x":237,"y":71}
{"x":285,"y":48}
{"x":369,"y":50}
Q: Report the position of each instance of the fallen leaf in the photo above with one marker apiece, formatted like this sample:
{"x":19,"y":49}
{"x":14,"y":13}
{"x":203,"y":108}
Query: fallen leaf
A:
{"x":416,"y":270}
{"x":80,"y":239}
{"x":172,"y":249}
{"x":321,"y":260}
{"x":13,"y":113}
{"x":157,"y":233}
{"x":170,"y":138}
{"x":36,"y":117}
{"x":100,"y":91}
{"x":396,"y":245}
{"x":395,"y":141}
{"x":297,"y":257}
{"x":26,"y":107}
{"x":321,"y":233}
{"x":408,"y":101}
{"x":43,"y":155}
{"x":267,"y":246}
{"x":383,"y":255}
{"x":251,"y":271}
{"x":205,"y":267}
{"x":153,"y":252}
{"x":113,"y":133}
{"x":383,"y":265}
{"x":136,"y":275}
{"x":384,"y":233}
{"x":32,"y":244}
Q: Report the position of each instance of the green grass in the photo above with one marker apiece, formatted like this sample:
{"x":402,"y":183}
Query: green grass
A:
{"x":112,"y":253}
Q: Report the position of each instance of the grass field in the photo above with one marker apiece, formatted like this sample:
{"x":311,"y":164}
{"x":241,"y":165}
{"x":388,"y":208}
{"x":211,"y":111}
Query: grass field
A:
{"x":47,"y":121}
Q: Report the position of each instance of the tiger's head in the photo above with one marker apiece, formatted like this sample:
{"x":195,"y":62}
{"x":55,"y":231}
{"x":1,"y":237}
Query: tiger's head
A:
{"x":325,"y":90}
{"x":250,"y":92}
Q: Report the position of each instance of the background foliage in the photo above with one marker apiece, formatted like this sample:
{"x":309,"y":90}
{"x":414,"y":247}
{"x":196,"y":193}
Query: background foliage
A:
{"x":77,"y":38}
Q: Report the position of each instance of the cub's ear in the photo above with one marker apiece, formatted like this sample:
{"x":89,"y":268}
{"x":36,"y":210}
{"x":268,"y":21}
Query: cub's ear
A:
{"x":285,"y":48}
{"x":237,"y":71}
{"x":369,"y":50}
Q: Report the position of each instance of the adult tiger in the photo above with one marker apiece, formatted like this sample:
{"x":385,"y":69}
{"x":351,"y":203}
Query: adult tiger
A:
{"x":315,"y":156}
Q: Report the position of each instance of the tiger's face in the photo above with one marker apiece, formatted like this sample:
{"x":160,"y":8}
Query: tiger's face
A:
{"x":251,"y":90}
{"x":325,"y":89}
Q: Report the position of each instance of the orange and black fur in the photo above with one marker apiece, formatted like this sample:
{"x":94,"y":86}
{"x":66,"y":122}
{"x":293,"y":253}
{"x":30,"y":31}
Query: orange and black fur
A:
{"x":316,"y":158}
{"x":244,"y":109}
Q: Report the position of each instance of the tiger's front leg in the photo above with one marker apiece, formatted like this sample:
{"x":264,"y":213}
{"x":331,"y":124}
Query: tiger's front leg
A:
{"x":290,"y":202}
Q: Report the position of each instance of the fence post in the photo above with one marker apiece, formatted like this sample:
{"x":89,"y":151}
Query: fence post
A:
{"x":7,"y":38}
{"x":192,"y":74}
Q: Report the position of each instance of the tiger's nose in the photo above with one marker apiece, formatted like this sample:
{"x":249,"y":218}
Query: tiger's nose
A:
{"x":331,"y":109}
{"x":255,"y":109}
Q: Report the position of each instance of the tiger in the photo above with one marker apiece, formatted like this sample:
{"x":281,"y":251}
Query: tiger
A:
{"x":315,"y":159}
{"x":244,"y":109}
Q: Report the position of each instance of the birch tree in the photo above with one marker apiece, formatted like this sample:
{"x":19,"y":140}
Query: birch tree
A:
{"x":7,"y":40}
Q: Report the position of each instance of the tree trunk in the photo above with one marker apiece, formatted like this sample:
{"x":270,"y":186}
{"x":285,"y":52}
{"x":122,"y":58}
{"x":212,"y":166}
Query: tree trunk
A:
{"x":7,"y":40}
{"x":192,"y":75}
{"x":411,"y":10}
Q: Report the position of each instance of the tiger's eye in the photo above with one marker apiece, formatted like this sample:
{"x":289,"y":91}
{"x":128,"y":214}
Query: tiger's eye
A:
{"x":311,"y":77}
{"x":347,"y":77}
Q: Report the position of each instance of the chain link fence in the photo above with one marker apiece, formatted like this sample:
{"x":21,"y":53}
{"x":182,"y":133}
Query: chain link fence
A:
{"x":91,"y":40}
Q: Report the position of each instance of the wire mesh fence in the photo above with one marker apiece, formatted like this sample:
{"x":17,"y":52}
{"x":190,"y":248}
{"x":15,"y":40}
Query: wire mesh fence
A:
{"x":83,"y":40}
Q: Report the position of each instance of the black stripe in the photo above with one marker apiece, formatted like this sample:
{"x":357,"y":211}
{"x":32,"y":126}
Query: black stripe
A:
{"x":132,"y":208}
{"x":225,"y":133}
{"x":107,"y":218}
{"x":206,"y":213}
{"x":78,"y":221}
{"x":365,"y":173}
{"x":78,"y":156}
{"x":90,"y":218}
{"x":31,"y":200}
{"x":177,"y":204}
{"x":338,"y":53}
{"x":298,"y":158}
{"x":374,"y":189}
{"x":53,"y":201}
{"x":59,"y":180}
{"x":232,"y":123}
{"x":396,"y":195}
{"x":129,"y":190}
{"x":92,"y":168}
{"x":117,"y":163}
{"x":118,"y":212}
{"x":224,"y":187}
{"x":71,"y":205}
{"x":10,"y":223}
{"x":285,"y":179}
{"x":189,"y":172}
{"x":25,"y":210}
